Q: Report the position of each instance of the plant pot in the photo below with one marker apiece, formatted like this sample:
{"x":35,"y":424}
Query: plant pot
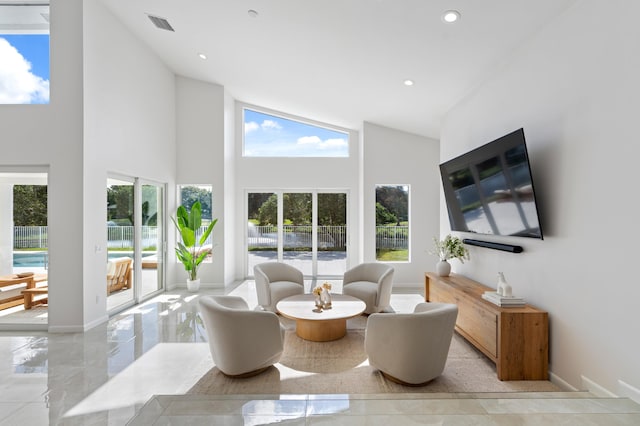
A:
{"x":443,"y":268}
{"x":193,"y":285}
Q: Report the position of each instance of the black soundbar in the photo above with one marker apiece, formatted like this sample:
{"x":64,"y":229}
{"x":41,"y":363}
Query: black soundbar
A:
{"x":496,"y":246}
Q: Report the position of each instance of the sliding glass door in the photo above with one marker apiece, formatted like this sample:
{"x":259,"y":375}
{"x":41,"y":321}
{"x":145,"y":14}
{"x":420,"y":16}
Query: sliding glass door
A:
{"x":332,"y":233}
{"x":135,"y":241}
{"x":121,"y":242}
{"x":152,"y":238}
{"x":262,"y":228}
{"x":307,"y":230}
{"x":297,"y":231}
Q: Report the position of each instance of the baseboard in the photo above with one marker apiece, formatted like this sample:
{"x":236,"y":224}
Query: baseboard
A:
{"x":596,"y":389}
{"x":202,"y":285}
{"x":559,"y":382}
{"x":419,"y":286}
{"x":626,"y":390}
{"x":66,"y":329}
{"x":96,"y":322}
{"x":77,"y":328}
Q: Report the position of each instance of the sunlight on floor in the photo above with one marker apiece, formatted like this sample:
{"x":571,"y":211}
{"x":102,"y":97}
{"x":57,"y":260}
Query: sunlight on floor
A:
{"x":159,"y":371}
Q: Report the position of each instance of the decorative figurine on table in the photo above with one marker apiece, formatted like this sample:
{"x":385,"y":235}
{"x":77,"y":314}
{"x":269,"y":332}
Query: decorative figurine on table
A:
{"x":325,"y":296}
{"x":317,"y":293}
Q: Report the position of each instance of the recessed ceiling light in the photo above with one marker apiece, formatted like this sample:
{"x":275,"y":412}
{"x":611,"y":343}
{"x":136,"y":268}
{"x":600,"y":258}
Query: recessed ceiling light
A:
{"x":408,"y":82}
{"x":450,"y":16}
{"x":252,"y":13}
{"x":202,"y":56}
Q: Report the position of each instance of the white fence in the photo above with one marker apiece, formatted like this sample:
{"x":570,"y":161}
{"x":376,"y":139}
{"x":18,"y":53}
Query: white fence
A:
{"x":295,"y":236}
{"x":392,"y":237}
{"x":122,"y":237}
{"x":30,"y":237}
{"x":117,"y":237}
{"x":329,"y":237}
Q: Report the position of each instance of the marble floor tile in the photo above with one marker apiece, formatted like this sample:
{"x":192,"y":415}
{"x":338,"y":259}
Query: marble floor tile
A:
{"x":136,"y":368}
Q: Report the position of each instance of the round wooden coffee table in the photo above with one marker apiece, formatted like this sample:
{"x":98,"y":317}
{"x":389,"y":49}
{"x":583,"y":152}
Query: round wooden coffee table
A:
{"x":320,"y":326}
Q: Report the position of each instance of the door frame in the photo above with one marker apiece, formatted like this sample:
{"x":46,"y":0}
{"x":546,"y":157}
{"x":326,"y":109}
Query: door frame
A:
{"x":137,"y":296}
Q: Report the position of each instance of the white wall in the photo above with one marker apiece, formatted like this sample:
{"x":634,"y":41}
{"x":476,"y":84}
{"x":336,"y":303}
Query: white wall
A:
{"x":399,"y":158}
{"x":575,"y":90}
{"x":231,"y":217}
{"x":51,"y":135}
{"x":200,"y":161}
{"x":129,"y":111}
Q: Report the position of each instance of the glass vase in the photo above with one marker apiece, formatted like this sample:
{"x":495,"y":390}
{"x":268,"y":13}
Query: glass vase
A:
{"x":325,"y":298}
{"x":318,"y":301}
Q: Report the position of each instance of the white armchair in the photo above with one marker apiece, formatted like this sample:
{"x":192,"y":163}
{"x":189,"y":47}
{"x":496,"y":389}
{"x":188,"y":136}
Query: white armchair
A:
{"x":243,"y":342}
{"x":275,"y":281}
{"x":412,"y":348}
{"x":370,"y":282}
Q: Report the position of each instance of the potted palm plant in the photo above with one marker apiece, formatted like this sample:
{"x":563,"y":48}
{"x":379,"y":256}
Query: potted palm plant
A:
{"x":191,"y":255}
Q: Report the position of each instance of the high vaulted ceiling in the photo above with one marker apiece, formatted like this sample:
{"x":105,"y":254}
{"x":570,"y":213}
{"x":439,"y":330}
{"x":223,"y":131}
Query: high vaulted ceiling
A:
{"x":341,"y":61}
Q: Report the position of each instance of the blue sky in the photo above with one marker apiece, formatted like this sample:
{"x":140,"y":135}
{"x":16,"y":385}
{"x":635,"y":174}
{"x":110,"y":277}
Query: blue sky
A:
{"x":24,"y":77}
{"x":270,"y":136}
{"x":35,"y":49}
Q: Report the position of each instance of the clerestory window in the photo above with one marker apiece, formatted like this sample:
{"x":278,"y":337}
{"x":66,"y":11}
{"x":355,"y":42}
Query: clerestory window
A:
{"x":267,"y":135}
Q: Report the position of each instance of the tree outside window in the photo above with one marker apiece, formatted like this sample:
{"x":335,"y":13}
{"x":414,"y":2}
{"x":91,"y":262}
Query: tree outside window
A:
{"x":392,"y":223}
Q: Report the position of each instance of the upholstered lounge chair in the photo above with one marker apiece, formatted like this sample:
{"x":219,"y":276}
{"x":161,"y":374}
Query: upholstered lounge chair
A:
{"x":275,"y":281}
{"x":119,"y":271}
{"x":411,"y":348}
{"x":242,"y":342}
{"x":370,"y":282}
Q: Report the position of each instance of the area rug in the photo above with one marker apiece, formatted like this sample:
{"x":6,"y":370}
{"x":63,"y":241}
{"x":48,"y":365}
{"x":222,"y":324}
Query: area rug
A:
{"x":341,"y":367}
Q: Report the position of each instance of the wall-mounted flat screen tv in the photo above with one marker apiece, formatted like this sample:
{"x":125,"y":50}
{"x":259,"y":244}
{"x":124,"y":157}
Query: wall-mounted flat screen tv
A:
{"x":489,"y":190}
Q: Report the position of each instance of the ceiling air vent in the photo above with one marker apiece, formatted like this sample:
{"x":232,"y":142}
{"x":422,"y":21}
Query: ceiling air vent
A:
{"x":161,"y":23}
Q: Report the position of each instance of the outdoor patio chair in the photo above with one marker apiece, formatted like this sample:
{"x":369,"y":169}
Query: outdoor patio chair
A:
{"x":119,"y":273}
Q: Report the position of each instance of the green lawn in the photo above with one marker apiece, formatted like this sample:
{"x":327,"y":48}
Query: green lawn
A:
{"x":387,"y":255}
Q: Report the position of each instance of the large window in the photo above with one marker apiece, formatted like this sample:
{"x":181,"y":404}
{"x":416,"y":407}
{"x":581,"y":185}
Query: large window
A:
{"x":268,"y":135}
{"x":307,"y":230}
{"x":392,"y":223}
{"x":24,"y":53}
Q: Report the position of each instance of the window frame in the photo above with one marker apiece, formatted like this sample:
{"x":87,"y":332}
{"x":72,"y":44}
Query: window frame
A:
{"x":408,"y":230}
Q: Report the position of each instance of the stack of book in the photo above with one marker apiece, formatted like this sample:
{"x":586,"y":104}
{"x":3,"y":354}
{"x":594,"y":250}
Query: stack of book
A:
{"x":503,"y":301}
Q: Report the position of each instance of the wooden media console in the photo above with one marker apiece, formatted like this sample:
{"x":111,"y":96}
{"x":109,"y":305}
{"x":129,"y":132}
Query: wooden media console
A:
{"x":516,"y":339}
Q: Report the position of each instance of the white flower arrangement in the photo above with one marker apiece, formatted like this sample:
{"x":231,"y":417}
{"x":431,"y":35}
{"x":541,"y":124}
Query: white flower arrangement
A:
{"x":450,"y":248}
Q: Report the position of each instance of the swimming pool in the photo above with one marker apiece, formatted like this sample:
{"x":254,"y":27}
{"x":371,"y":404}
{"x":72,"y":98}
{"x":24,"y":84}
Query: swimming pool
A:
{"x":30,"y":259}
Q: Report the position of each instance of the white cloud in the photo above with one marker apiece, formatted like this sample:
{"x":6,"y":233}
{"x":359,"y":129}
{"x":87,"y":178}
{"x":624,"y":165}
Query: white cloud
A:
{"x":332,"y":143}
{"x":251,"y":126}
{"x":270,"y":125}
{"x":18,"y":85}
{"x":320,"y":144}
{"x":306,"y":140}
